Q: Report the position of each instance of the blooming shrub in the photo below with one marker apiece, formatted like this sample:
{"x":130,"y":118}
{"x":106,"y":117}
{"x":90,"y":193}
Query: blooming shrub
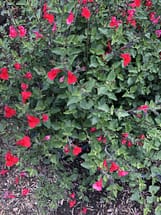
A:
{"x":82,"y":78}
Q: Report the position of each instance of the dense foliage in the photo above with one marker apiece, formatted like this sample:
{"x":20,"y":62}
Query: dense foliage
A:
{"x":80,"y":90}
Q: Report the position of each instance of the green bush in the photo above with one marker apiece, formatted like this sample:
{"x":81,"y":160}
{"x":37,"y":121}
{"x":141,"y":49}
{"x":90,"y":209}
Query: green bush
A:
{"x":80,"y":84}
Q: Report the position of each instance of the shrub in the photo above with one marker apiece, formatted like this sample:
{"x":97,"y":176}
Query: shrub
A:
{"x":80,"y":83}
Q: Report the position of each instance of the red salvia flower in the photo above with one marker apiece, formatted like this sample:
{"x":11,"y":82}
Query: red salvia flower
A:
{"x":25,"y":142}
{"x":66,"y":149}
{"x":4,"y":73}
{"x":22,"y":31}
{"x":143,"y":108}
{"x":70,"y":18}
{"x":84,"y":210}
{"x":3,"y":171}
{"x":49,"y":17}
{"x":17,"y":66}
{"x":45,"y":117}
{"x":11,"y":159}
{"x":86,"y":13}
{"x":52,"y":74}
{"x":12,"y":32}
{"x":33,"y":121}
{"x":93,"y":129}
{"x":38,"y":35}
{"x":71,"y":78}
{"x":136,"y":3}
{"x":25,"y":191}
{"x":25,"y":96}
{"x":114,"y":167}
{"x":77,"y":150}
{"x":9,"y":112}
{"x":72,"y":195}
{"x":114,"y":23}
{"x":98,"y":185}
{"x":122,"y":173}
{"x":72,"y":203}
{"x":126,"y":58}
{"x":24,"y":86}
{"x":28,"y":75}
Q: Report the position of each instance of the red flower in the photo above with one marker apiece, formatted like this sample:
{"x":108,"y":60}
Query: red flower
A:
{"x":143,"y":108}
{"x":33,"y":121}
{"x":105,"y":165}
{"x":24,"y":86}
{"x":25,"y":96}
{"x":25,"y":142}
{"x":52,"y":74}
{"x":49,"y":17}
{"x":3,"y":171}
{"x":28,"y":75}
{"x":45,"y":117}
{"x":9,"y":195}
{"x":114,"y":23}
{"x":70,"y":18}
{"x":98,"y":185}
{"x":22,"y":31}
{"x":77,"y":150}
{"x":125,"y":135}
{"x":12,"y":32}
{"x":148,"y":3}
{"x":66,"y":149}
{"x":17,"y":180}
{"x":86,"y":13}
{"x":84,"y":210}
{"x":45,"y":8}
{"x":129,"y":144}
{"x":17,"y":66}
{"x":114,"y":167}
{"x":122,"y":173}
{"x":126,"y":58}
{"x":9,"y":112}
{"x":4,"y":73}
{"x":38,"y":35}
{"x":102,"y":139}
{"x":11,"y":159}
{"x":71,"y":78}
{"x":72,"y":203}
{"x":136,"y":3}
{"x":142,"y":136}
{"x":93,"y":129}
{"x":25,"y":191}
{"x":72,"y":195}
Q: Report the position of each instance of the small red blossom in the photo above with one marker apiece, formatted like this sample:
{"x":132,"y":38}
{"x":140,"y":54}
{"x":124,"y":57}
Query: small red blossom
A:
{"x":66,"y":149}
{"x":77,"y":150}
{"x":72,"y":203}
{"x":25,"y":142}
{"x":12,"y":32}
{"x":84,"y":210}
{"x":45,"y":8}
{"x":158,"y":33}
{"x":101,"y":139}
{"x":24,"y":86}
{"x":126,"y":58}
{"x":85,"y":13}
{"x":141,"y":136}
{"x":38,"y":35}
{"x":122,"y":173}
{"x":135,"y":3}
{"x":10,"y":159}
{"x":4,"y":73}
{"x":114,"y":23}
{"x":9,"y":112}
{"x":70,"y":18}
{"x":49,"y":17}
{"x":47,"y":137}
{"x":28,"y":75}
{"x":129,"y":144}
{"x":16,"y":180}
{"x":114,"y":167}
{"x":25,"y":96}
{"x":52,"y":74}
{"x":54,"y":28}
{"x":3,"y":171}
{"x":72,"y":195}
{"x":45,"y":117}
{"x":143,"y":108}
{"x":33,"y":121}
{"x":148,"y":3}
{"x":17,"y":66}
{"x":98,"y":185}
{"x":105,"y":165}
{"x":25,"y":191}
{"x":72,"y":79}
{"x":93,"y":129}
{"x":153,"y":18}
{"x":22,"y":31}
{"x":125,"y":135}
